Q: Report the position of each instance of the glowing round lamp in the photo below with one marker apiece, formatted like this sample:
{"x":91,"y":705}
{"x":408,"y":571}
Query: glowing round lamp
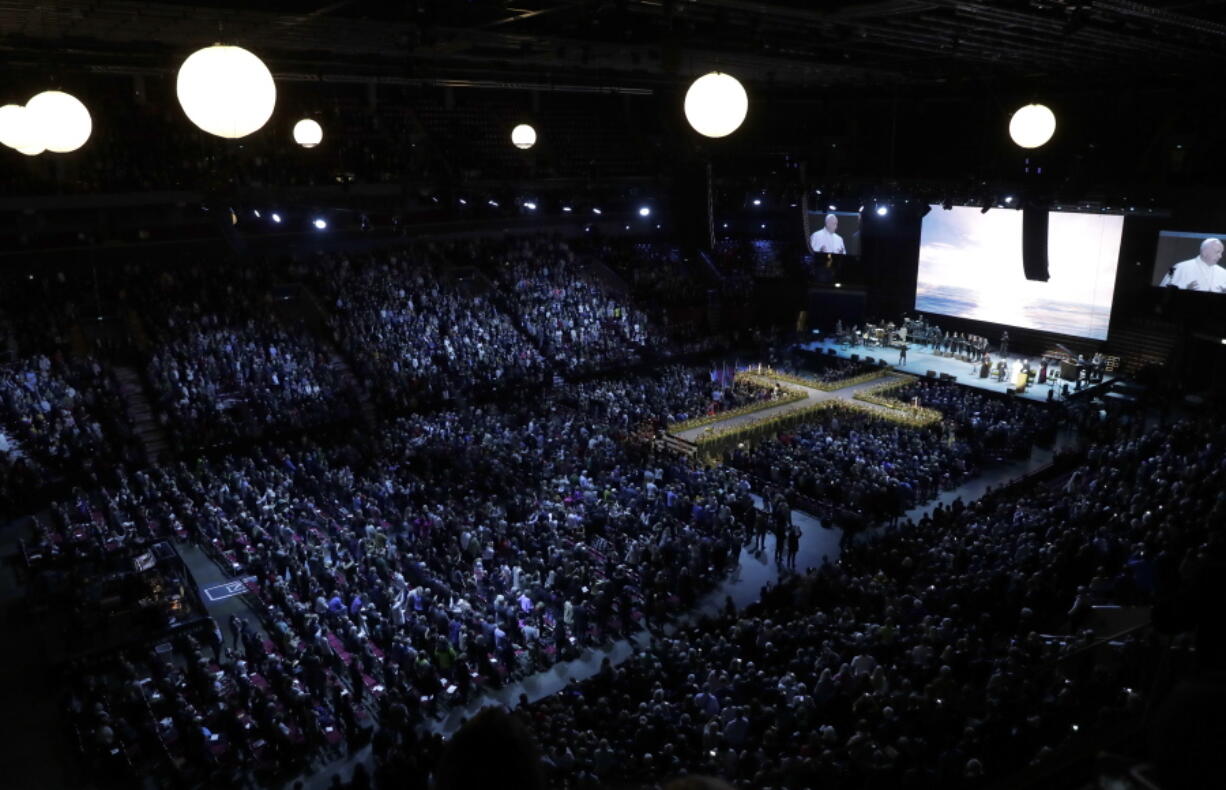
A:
{"x":1032,"y":125}
{"x":716,"y":104}
{"x":308,"y":133}
{"x":60,"y":120}
{"x":523,"y":136}
{"x":17,"y":130}
{"x":226,"y":91}
{"x":12,"y":124}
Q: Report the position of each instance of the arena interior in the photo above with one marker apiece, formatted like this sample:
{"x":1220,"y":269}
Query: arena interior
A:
{"x":455,"y":394}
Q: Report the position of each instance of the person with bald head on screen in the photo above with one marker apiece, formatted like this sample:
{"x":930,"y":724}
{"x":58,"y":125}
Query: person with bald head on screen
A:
{"x":826,"y":240}
{"x":1201,"y":273}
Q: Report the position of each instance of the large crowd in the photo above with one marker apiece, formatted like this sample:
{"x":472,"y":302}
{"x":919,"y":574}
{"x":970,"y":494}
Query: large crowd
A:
{"x":578,"y":324}
{"x":400,"y":572}
{"x":59,"y":419}
{"x":1007,"y":425}
{"x":416,"y":337}
{"x":861,"y":462}
{"x":224,"y":368}
{"x":666,"y":396}
{"x":917,"y":660}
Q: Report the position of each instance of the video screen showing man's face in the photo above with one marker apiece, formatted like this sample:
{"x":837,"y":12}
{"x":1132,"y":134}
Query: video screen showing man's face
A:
{"x":833,"y":233}
{"x":1189,"y":262}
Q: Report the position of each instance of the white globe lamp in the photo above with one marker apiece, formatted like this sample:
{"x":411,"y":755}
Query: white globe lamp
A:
{"x":716,"y":104}
{"x":60,"y":120}
{"x":18,"y":131}
{"x":226,"y":91}
{"x":523,"y":137}
{"x":308,"y":133}
{"x":12,"y":118}
{"x":1032,"y":125}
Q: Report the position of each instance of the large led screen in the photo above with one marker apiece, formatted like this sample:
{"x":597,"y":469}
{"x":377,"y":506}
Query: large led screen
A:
{"x":970,"y":266}
{"x":833,"y":232}
{"x":1190,"y":262}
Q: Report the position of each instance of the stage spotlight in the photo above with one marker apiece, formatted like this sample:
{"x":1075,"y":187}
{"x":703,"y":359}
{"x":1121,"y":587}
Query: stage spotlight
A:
{"x":256,"y":212}
{"x":832,"y":207}
{"x":716,"y":104}
{"x":1008,"y":198}
{"x":492,"y":203}
{"x":320,"y":224}
{"x":1032,"y":126}
{"x":882,"y":211}
{"x":597,"y":212}
{"x":530,"y":206}
{"x":644,"y":211}
{"x":276,"y":218}
{"x":757,"y":201}
{"x":463,"y":202}
{"x":567,"y":209}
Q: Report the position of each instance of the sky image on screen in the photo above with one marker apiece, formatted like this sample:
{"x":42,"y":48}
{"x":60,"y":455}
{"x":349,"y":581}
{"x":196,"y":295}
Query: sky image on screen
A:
{"x":970,"y":266}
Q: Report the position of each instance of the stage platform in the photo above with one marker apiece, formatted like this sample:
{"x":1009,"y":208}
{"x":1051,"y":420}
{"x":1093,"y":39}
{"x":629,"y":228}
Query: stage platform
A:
{"x":920,"y":360}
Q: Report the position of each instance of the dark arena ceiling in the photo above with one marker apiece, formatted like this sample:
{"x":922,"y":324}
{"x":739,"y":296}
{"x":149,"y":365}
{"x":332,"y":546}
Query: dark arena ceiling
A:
{"x":900,"y":88}
{"x":794,"y":42}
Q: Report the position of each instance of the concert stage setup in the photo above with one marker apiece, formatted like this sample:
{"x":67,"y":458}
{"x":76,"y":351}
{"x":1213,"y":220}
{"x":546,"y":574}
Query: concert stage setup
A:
{"x":921,"y":361}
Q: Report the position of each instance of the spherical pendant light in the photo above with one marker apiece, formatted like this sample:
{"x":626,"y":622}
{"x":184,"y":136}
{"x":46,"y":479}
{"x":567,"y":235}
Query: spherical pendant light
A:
{"x":1032,"y":125}
{"x":716,"y":104}
{"x":523,"y":136}
{"x":226,"y":91}
{"x":11,"y":119}
{"x":61,"y":121}
{"x":18,"y":131}
{"x":308,"y":133}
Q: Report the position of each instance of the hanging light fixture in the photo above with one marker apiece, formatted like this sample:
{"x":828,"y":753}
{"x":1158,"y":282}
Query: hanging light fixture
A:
{"x":18,"y":131}
{"x":308,"y":133}
{"x":226,"y":91}
{"x":523,"y":137}
{"x":60,"y":120}
{"x":1032,"y":126}
{"x":716,"y":104}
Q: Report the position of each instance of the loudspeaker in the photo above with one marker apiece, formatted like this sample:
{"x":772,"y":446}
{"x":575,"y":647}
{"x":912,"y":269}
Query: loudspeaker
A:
{"x":948,"y":377}
{"x":1034,"y":244}
{"x":932,"y":374}
{"x":832,"y":352}
{"x":855,"y":357}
